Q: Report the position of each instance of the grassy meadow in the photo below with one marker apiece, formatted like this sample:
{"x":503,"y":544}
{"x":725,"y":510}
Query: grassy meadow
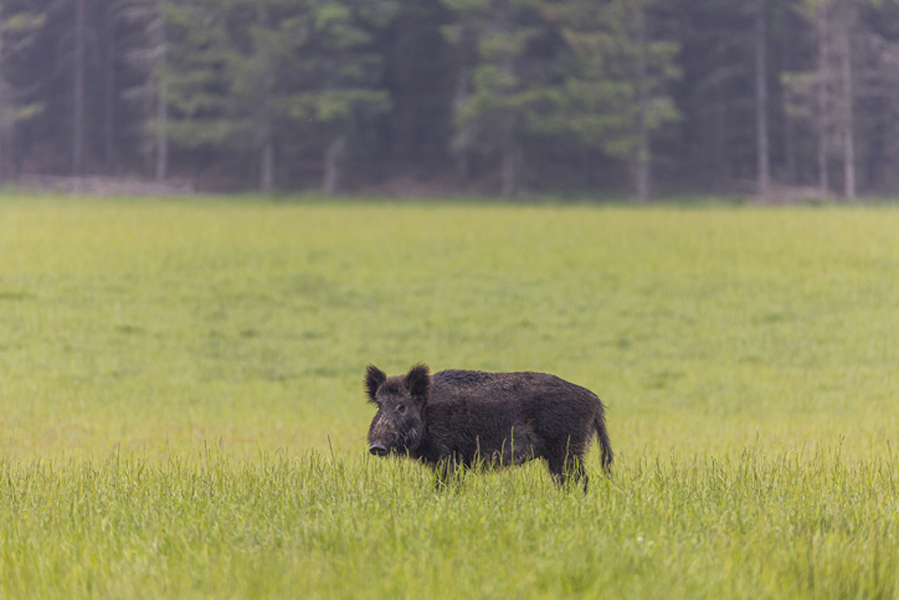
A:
{"x":181,"y":411}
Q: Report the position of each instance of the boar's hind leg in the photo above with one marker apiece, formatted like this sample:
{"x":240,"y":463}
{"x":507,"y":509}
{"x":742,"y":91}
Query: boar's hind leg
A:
{"x":567,"y":462}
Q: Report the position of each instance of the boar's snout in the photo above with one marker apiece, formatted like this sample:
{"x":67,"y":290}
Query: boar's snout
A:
{"x":378,"y":449}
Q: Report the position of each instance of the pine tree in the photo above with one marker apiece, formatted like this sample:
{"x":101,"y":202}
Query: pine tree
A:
{"x":342,"y":86}
{"x":17,"y":27}
{"x":259,"y":73}
{"x":503,"y":84}
{"x":616,"y":76}
{"x":763,"y":160}
{"x":144,"y":49}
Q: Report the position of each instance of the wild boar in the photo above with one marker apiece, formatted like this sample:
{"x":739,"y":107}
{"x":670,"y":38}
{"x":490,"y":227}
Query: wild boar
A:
{"x":460,"y":417}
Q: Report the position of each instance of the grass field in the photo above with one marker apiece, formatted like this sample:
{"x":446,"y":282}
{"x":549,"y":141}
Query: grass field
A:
{"x":181,"y":413}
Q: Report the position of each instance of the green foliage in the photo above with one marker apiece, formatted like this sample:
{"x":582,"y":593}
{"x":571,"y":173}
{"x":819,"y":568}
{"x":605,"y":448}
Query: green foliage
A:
{"x":193,"y":71}
{"x":16,"y":30}
{"x":580,"y":92}
{"x":256,"y":69}
{"x":584,"y":70}
{"x":615,"y":82}
{"x":505,"y":73}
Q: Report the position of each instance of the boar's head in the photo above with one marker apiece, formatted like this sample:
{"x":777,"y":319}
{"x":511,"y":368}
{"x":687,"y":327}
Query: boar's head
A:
{"x":399,"y":425}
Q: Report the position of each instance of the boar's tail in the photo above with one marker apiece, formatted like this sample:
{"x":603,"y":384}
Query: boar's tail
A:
{"x":602,"y":434}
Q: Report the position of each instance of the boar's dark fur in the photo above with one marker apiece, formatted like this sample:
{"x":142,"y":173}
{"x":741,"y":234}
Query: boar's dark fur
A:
{"x":465,"y":418}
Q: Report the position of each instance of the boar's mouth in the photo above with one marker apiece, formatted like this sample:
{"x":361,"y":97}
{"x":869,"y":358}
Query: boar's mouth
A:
{"x":383,"y":440}
{"x":382,"y":447}
{"x":379,"y":448}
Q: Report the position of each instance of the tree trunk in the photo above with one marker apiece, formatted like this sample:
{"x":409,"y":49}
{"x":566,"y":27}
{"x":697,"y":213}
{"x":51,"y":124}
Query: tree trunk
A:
{"x":109,"y":90}
{"x":267,"y":166}
{"x":162,"y":107}
{"x":78,"y":100}
{"x":3,"y":138}
{"x":162,"y":140}
{"x":461,"y":141}
{"x":642,"y":158}
{"x":509,"y":169}
{"x":510,"y":149}
{"x":846,"y":120}
{"x":644,"y":175}
{"x":332,"y":157}
{"x":823,"y":79}
{"x":761,"y":98}
{"x":789,"y":133}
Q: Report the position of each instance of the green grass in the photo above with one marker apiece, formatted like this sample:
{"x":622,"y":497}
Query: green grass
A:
{"x":320,"y":527}
{"x":181,"y":413}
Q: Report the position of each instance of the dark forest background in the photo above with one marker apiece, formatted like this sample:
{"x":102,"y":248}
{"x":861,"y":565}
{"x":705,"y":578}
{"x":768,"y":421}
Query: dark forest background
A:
{"x":609,"y":97}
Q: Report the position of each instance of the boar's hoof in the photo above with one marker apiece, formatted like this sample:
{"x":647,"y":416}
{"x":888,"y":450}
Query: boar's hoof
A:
{"x":378,"y":449}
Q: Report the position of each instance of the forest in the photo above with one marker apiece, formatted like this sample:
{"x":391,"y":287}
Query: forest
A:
{"x":635,"y":98}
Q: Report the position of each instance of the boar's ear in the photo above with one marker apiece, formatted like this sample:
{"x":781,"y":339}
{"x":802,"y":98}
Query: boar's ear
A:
{"x":374,"y":377}
{"x":418,"y":381}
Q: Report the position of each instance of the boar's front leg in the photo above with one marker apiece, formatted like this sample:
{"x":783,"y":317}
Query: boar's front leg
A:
{"x":445,"y":471}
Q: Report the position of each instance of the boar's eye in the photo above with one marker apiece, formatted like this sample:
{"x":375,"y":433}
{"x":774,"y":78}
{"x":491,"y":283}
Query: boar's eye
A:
{"x":401,"y":409}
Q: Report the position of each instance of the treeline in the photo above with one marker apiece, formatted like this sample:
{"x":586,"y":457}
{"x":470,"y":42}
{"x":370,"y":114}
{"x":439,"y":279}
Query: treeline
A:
{"x":488,"y":96}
